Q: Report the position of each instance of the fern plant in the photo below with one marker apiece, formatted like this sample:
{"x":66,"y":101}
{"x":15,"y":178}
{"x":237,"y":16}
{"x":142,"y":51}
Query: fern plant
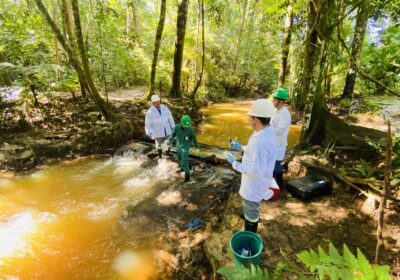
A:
{"x":320,"y":264}
{"x":347,"y":266}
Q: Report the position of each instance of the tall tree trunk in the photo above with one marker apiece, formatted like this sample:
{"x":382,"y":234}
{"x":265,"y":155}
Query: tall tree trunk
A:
{"x":103,"y":63}
{"x":135,"y":18}
{"x":239,"y":39}
{"x":100,"y":103}
{"x":157,"y":44}
{"x":316,"y":121}
{"x":107,"y":114}
{"x":203,"y":50}
{"x":128,"y":19}
{"x":57,"y":57}
{"x":70,"y":40}
{"x":322,"y":13}
{"x":179,"y":45}
{"x":356,"y":48}
{"x":198,"y":19}
{"x":302,"y":87}
{"x":287,"y":33}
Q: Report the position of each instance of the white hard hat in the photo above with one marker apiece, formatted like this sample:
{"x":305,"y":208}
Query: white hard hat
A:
{"x":262,"y":108}
{"x":155,"y":98}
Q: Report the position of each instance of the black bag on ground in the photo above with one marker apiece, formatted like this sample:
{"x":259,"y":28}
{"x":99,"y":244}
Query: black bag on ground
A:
{"x":308,"y":187}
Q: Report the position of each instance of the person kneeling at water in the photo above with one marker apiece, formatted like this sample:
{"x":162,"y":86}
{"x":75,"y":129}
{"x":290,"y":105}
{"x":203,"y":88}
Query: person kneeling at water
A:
{"x":185,"y":137}
{"x":257,"y":164}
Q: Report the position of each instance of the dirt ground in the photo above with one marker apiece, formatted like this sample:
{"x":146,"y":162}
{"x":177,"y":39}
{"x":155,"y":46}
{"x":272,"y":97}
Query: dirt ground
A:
{"x":292,"y":226}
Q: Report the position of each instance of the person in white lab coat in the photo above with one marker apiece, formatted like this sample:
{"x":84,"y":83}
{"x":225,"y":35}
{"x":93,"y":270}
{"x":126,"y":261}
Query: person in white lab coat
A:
{"x":258,"y":163}
{"x":281,"y":125}
{"x":159,"y":123}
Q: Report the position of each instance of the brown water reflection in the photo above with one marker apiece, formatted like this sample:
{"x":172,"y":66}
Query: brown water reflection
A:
{"x":229,"y":120}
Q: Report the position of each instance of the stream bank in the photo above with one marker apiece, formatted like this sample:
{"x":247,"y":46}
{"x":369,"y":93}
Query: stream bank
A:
{"x":66,"y":128}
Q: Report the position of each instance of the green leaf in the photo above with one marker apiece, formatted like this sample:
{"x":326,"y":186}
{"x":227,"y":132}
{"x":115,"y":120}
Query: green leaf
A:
{"x":364,"y":266}
{"x":334,"y":255}
{"x":349,"y":258}
{"x":310,"y":259}
{"x":324,"y":258}
{"x":382,"y":272}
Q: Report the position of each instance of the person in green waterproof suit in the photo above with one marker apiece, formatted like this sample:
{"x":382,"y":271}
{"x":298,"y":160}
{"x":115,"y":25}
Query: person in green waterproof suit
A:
{"x":185,"y":137}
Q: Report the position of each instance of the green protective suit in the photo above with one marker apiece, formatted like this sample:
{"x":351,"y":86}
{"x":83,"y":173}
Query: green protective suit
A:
{"x":185,"y":137}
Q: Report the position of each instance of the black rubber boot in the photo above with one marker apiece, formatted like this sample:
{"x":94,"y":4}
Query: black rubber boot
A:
{"x":187,"y":177}
{"x":279,"y":180}
{"x":250,"y":226}
{"x":159,"y":151}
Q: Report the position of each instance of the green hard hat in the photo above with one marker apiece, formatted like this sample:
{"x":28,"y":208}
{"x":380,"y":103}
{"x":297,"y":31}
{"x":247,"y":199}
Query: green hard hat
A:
{"x":186,"y":121}
{"x":281,"y":93}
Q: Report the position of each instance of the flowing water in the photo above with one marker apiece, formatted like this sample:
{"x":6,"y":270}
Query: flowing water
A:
{"x":66,"y":221}
{"x":228,"y":121}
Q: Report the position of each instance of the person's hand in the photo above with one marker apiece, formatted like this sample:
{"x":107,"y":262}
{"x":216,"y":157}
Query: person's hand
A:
{"x":229,"y":158}
{"x":235,"y":145}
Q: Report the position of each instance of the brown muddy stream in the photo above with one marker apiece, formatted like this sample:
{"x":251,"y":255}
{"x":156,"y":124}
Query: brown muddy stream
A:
{"x":64,"y":221}
{"x":230,"y":120}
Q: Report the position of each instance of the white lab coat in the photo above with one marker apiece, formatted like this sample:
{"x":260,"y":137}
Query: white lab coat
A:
{"x":257,"y":165}
{"x":281,"y":125}
{"x":159,"y":125}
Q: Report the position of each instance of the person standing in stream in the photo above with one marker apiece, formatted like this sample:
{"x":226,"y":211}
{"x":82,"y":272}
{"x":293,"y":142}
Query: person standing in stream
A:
{"x":185,"y":137}
{"x":281,"y":125}
{"x":257,"y":164}
{"x":159,"y":123}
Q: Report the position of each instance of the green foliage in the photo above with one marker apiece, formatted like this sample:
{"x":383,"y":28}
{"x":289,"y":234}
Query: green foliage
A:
{"x":335,"y":266}
{"x":396,"y":153}
{"x":345,"y":102}
{"x":365,"y":169}
{"x":381,"y":57}
{"x":379,"y":146}
{"x":322,"y":265}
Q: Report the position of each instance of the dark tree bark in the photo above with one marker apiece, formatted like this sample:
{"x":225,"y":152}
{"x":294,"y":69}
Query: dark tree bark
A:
{"x":157,"y":44}
{"x":179,"y":45}
{"x":287,"y":33}
{"x":203,"y":47}
{"x":356,"y":47}
{"x":314,"y":73}
{"x":311,"y":55}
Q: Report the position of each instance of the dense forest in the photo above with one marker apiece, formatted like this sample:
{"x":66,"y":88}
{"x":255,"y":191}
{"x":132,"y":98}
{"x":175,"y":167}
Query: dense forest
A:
{"x":202,"y":48}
